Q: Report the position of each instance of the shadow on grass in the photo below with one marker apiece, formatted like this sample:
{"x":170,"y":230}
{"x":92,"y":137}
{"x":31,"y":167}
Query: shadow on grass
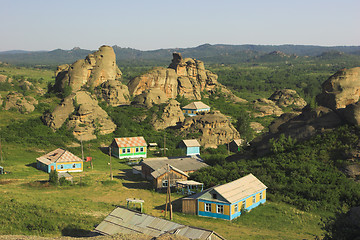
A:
{"x":176,"y":206}
{"x":70,"y":231}
{"x":33,"y":165}
{"x":104,"y":150}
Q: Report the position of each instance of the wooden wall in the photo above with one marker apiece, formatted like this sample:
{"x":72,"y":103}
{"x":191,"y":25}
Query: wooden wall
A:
{"x":189,"y":206}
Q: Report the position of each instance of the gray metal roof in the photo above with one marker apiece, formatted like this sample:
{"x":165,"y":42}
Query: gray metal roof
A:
{"x":157,"y":173}
{"x":184,"y":164}
{"x":196,"y":106}
{"x":191,"y":143}
{"x":126,"y":221}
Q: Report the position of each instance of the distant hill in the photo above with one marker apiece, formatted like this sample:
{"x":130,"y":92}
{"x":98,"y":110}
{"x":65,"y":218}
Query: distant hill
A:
{"x":219,"y":53}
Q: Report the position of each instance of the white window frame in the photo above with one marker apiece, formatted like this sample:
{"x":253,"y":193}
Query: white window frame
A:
{"x":254,"y":199}
{"x":220,"y":208}
{"x":207,"y":207}
{"x":74,"y":165}
{"x":123,"y":151}
{"x":236,"y":207}
{"x":243,"y":204}
{"x":261,"y":196}
{"x":142,"y":149}
{"x":165,"y":183}
{"x":137,"y":149}
{"x":128,"y":150}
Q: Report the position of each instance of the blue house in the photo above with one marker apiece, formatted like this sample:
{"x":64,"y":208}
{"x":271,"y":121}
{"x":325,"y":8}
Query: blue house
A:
{"x":192,"y":147}
{"x":60,"y":160}
{"x":227,"y":201}
{"x":194,"y":108}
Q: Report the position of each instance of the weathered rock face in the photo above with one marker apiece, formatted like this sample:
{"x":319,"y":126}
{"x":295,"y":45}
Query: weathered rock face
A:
{"x":20,"y":102}
{"x":288,"y":97}
{"x":185,"y":77}
{"x":150,"y":97}
{"x":341,"y":89}
{"x":215,"y":129}
{"x":265,"y":107}
{"x":172,"y":116}
{"x":86,"y":117}
{"x":92,"y":71}
{"x":114,"y":93}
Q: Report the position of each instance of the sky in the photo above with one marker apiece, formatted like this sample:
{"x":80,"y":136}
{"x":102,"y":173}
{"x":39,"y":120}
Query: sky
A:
{"x":153,"y":24}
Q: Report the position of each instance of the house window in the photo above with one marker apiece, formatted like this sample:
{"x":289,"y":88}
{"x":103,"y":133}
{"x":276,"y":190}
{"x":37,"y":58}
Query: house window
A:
{"x":253,"y":199}
{"x":261,"y":196}
{"x":244,"y":204}
{"x":61,"y":166}
{"x":141,"y":149}
{"x":207,"y":207}
{"x":214,"y":196}
{"x":123,"y":150}
{"x":136,"y":149}
{"x":220,"y":209}
{"x":128,"y":150}
{"x":165,"y":183}
{"x":236,"y":207}
{"x":74,"y":165}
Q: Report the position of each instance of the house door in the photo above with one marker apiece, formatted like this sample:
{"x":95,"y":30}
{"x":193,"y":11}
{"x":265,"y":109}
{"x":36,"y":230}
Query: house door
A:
{"x":52,"y":168}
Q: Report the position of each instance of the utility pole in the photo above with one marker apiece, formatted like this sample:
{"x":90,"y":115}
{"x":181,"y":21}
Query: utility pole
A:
{"x":111,"y":174}
{"x":91,"y":161}
{"x":82,"y":148}
{"x":168,"y":194}
{"x":1,"y":154}
{"x":164,"y":144}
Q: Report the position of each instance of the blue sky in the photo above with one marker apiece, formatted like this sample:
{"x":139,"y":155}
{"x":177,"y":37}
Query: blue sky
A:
{"x":145,"y":25}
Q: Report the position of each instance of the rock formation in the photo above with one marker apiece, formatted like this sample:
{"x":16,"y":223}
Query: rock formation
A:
{"x":150,"y":97}
{"x":215,"y":129}
{"x":86,"y":117}
{"x":114,"y":93}
{"x":265,"y":107}
{"x":172,"y":116}
{"x":288,"y":97}
{"x":185,"y":77}
{"x":92,"y":71}
{"x":341,"y":89}
{"x":19,"y":102}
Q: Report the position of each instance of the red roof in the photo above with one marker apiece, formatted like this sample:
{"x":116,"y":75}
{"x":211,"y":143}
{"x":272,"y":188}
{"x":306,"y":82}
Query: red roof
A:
{"x":131,"y":142}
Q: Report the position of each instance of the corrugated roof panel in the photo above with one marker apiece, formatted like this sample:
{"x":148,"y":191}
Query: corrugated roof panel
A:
{"x":191,"y":143}
{"x":196,"y":106}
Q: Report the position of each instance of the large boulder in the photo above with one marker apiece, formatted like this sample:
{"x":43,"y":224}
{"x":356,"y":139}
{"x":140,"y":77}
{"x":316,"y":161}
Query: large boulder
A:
{"x":92,"y":71}
{"x":150,"y":97}
{"x":215,"y":129}
{"x":19,"y":102}
{"x":288,"y":97}
{"x":114,"y":93}
{"x":186,"y":77}
{"x":341,"y":89}
{"x":85,"y":117}
{"x":265,"y":107}
{"x":172,"y":116}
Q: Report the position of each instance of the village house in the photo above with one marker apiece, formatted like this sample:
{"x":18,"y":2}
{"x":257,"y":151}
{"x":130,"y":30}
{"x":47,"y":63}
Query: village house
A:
{"x":158,"y":170}
{"x":127,"y":221}
{"x":227,"y":201}
{"x":194,"y":108}
{"x":60,"y":160}
{"x":129,"y":147}
{"x":191,"y":146}
{"x":235,"y":145}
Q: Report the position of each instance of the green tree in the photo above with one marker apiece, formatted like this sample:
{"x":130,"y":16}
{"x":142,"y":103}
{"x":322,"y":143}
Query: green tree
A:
{"x":53,"y":177}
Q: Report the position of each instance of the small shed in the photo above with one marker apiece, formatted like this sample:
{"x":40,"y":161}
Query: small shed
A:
{"x":162,"y":176}
{"x":235,"y":145}
{"x":129,"y":147}
{"x":66,"y":175}
{"x":188,"y":187}
{"x":192,"y":147}
{"x":153,"y":146}
{"x":194,"y":108}
{"x":60,"y":160}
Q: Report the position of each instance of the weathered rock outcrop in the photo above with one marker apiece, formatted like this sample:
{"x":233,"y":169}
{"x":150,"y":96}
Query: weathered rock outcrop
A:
{"x":215,"y":129}
{"x":114,"y":93}
{"x":86,"y":117}
{"x":265,"y":107}
{"x":92,"y":71}
{"x":341,"y":89}
{"x":288,"y":97}
{"x":15,"y":100}
{"x":172,"y":116}
{"x":150,"y":97}
{"x":185,"y":77}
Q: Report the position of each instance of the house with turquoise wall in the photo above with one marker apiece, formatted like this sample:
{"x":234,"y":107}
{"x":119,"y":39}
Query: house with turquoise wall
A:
{"x":229,"y":200}
{"x":129,"y":147}
{"x":195,"y":108}
{"x":191,"y":146}
{"x":59,"y":160}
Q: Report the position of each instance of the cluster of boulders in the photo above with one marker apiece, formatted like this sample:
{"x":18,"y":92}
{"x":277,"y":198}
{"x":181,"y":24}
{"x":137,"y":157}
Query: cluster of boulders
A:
{"x":19,"y":102}
{"x":337,"y":104}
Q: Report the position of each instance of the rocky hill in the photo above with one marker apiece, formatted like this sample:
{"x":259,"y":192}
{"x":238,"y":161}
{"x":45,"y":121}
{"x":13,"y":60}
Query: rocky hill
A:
{"x":337,"y":104}
{"x":214,"y":128}
{"x":185,"y":77}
